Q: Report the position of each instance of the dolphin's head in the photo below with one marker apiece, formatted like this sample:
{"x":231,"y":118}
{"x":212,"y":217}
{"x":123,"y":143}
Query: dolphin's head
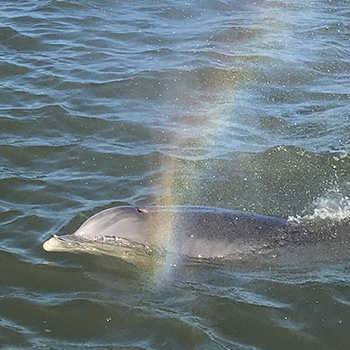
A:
{"x":121,"y":226}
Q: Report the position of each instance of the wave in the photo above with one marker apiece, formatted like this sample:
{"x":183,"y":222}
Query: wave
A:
{"x":17,"y":41}
{"x":333,"y":206}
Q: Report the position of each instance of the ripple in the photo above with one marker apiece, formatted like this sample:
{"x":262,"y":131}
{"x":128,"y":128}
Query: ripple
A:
{"x":10,"y":70}
{"x":222,"y":103}
{"x":17,"y":41}
{"x":7,"y":33}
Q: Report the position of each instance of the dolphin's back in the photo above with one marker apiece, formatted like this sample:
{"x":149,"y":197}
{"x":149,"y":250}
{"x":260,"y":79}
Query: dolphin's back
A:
{"x":206,"y":231}
{"x":215,"y":223}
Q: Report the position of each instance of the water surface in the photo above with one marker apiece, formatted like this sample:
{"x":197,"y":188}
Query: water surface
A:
{"x":234,"y":104}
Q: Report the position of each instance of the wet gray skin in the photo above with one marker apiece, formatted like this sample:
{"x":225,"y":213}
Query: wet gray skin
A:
{"x":191,"y":231}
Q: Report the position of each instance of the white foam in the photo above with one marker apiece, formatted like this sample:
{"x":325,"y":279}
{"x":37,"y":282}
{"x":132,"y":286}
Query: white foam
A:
{"x":333,"y":206}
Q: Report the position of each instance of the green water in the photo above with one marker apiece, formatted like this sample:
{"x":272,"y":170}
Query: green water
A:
{"x":233,"y":104}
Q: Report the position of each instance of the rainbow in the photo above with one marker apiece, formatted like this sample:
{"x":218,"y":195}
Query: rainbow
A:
{"x":196,"y":135}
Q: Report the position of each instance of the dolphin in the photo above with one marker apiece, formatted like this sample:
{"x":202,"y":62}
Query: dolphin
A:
{"x":192,"y":231}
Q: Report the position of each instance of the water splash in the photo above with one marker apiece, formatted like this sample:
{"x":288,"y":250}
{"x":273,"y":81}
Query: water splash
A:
{"x":333,"y":206}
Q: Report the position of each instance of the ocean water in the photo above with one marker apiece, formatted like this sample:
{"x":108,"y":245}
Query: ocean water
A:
{"x":225,"y":103}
